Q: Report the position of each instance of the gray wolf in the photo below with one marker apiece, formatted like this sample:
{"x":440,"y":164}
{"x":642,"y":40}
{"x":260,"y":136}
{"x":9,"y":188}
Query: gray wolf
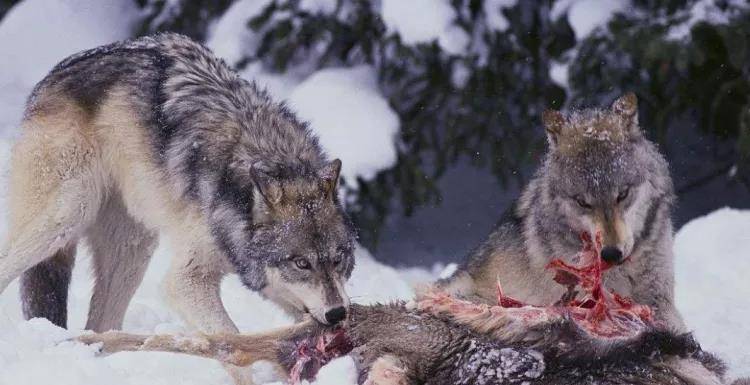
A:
{"x":600,"y":175}
{"x":399,"y":345}
{"x":154,"y":136}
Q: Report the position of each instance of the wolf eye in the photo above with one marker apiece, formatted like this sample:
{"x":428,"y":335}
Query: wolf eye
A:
{"x":582,"y":202}
{"x":302,"y":263}
{"x":623,"y":195}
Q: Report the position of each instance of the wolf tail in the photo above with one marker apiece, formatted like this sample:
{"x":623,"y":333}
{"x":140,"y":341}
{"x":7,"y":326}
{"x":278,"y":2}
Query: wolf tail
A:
{"x":44,"y":287}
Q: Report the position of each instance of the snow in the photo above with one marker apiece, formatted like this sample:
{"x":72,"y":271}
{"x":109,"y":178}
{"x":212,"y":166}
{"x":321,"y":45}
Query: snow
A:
{"x":356,"y":124}
{"x":318,"y":6}
{"x":69,"y":26}
{"x":493,"y":10}
{"x":559,"y":73}
{"x":343,"y":105}
{"x":230,"y":38}
{"x":435,"y":22}
{"x":712,"y":286}
{"x":708,"y":11}
{"x":586,"y":15}
{"x":353,"y":121}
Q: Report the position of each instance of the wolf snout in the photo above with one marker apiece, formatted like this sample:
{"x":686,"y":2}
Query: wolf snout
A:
{"x":335,"y":315}
{"x":612,"y":254}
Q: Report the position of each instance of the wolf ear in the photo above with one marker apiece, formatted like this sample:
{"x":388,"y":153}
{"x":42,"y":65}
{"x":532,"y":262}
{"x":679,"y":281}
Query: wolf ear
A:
{"x":266,"y":185}
{"x":553,"y":123}
{"x":329,"y":175}
{"x":626,"y":106}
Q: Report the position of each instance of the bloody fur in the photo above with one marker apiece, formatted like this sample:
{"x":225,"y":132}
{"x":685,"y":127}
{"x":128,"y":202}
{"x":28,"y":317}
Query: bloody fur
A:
{"x":599,"y":312}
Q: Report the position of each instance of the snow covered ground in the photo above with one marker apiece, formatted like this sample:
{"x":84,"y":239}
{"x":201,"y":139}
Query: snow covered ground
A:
{"x":358,"y":126}
{"x":713,"y":287}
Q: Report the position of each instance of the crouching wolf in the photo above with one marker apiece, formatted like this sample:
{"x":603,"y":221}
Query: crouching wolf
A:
{"x":156,"y":135}
{"x":600,"y":175}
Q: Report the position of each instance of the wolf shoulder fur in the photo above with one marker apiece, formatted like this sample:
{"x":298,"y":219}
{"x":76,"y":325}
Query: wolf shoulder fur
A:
{"x":600,"y":175}
{"x":157,"y":136}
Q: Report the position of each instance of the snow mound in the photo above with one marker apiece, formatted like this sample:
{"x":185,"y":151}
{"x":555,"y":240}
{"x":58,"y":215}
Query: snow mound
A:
{"x":231,"y":38}
{"x":353,"y":121}
{"x":27,"y":51}
{"x":344,"y":107}
{"x":586,"y":15}
{"x":495,"y":18}
{"x":423,"y":21}
{"x":318,"y":6}
{"x":712,"y":287}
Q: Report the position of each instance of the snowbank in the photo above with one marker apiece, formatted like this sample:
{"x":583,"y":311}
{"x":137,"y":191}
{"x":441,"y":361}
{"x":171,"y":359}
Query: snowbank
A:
{"x":27,"y":52}
{"x":230,"y":38}
{"x":353,"y":121}
{"x":435,"y":22}
{"x":356,"y":124}
{"x":713,"y":289}
{"x":318,"y":6}
{"x":495,"y":18}
{"x":344,"y":107}
{"x":585,"y":15}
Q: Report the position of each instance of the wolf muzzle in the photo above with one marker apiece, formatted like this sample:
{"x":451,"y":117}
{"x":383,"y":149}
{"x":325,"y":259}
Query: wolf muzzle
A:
{"x":613,"y":255}
{"x":335,"y":315}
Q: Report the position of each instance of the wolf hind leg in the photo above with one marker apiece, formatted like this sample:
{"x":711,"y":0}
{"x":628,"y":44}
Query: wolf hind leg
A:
{"x":44,"y":287}
{"x":121,"y":250}
{"x":54,"y":227}
{"x":55,"y":188}
{"x":50,"y":228}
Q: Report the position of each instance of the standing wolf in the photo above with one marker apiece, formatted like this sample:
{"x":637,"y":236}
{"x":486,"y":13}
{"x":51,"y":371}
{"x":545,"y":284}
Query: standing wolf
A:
{"x":600,"y":175}
{"x":156,"y":135}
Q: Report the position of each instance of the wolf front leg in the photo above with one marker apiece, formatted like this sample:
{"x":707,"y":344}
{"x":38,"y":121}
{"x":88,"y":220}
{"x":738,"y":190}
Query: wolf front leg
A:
{"x":192,"y":287}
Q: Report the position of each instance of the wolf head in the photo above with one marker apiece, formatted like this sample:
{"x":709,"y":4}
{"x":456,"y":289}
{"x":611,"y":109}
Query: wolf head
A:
{"x":300,"y":252}
{"x":600,"y":175}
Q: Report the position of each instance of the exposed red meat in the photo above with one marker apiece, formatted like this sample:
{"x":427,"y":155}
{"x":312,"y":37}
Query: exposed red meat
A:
{"x":313,"y":353}
{"x":601,"y":313}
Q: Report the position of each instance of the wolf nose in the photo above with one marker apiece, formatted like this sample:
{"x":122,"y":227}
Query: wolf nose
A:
{"x":612,"y":254}
{"x":336,"y":315}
